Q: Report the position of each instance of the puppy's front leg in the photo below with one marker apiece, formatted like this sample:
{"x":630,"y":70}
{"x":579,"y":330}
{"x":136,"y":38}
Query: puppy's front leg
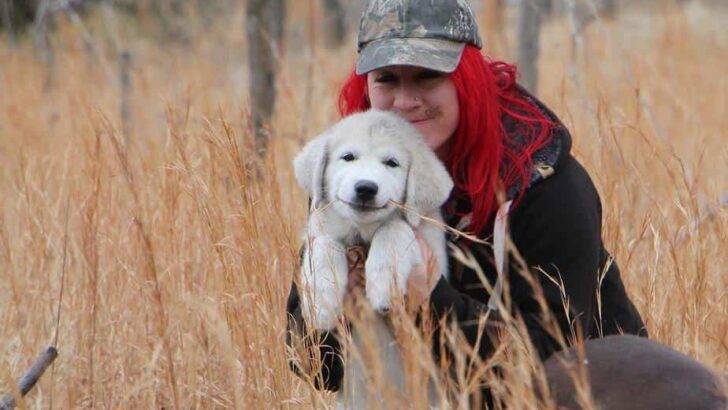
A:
{"x":392,"y":254}
{"x":324,"y":278}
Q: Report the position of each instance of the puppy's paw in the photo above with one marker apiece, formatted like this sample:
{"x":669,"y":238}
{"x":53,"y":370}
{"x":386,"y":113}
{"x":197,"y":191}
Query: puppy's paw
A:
{"x":392,"y":254}
{"x":379,"y":294}
{"x":384,"y":282}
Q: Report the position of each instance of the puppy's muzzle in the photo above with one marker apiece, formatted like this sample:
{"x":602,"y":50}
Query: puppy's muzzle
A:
{"x":366,"y":190}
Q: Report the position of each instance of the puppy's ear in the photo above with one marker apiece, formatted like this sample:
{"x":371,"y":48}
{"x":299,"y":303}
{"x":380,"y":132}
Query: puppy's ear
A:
{"x":428,"y":184}
{"x":309,"y":167}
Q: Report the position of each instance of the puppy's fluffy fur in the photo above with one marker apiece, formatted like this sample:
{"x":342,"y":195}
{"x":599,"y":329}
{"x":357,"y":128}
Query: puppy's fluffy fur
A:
{"x":352,"y":173}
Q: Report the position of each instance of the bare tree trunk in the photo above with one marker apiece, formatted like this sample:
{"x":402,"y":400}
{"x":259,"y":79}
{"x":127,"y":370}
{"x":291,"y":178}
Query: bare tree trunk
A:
{"x":7,"y":12}
{"x":494,"y":29}
{"x":586,"y":13}
{"x":125,"y":96}
{"x":334,"y":23}
{"x":170,"y":15}
{"x":529,"y":30}
{"x":264,"y":29}
{"x":548,"y":8}
{"x":609,"y":8}
{"x":42,"y":21}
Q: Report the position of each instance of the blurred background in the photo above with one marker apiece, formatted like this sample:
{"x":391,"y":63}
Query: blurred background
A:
{"x":146,"y":186}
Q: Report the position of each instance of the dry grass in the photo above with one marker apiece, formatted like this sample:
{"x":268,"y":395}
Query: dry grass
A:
{"x":179,"y":263}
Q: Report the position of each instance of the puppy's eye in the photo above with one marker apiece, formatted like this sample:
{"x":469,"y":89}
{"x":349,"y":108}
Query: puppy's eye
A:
{"x":348,"y":157}
{"x":392,"y":163}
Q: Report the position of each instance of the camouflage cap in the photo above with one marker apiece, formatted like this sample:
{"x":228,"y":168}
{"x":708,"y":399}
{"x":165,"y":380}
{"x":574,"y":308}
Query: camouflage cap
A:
{"x":424,"y":33}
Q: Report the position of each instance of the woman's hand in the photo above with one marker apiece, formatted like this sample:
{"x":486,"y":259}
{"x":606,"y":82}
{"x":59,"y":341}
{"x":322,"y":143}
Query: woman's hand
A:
{"x":423,"y":278}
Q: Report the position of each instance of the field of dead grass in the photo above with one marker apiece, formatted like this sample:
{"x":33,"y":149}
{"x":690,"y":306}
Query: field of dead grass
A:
{"x":177,"y":261}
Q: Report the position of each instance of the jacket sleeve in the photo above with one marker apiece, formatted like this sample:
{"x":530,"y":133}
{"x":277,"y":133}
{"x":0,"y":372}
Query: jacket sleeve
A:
{"x":315,"y":355}
{"x":557,"y":230}
{"x":446,"y":300}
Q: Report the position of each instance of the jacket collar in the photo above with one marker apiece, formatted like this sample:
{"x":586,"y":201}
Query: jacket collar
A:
{"x":545,"y":162}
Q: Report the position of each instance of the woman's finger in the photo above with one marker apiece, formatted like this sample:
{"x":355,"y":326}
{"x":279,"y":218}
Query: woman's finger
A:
{"x":428,"y":257}
{"x":424,"y":276}
{"x":416,"y":286}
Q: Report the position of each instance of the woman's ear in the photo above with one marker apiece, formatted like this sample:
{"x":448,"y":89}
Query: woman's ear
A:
{"x":428,"y":184}
{"x":310,"y":166}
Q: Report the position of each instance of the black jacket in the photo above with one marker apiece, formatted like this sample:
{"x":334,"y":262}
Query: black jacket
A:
{"x":556,"y":228}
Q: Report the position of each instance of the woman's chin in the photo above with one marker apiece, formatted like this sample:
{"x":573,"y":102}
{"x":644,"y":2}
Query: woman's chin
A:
{"x":423,"y":127}
{"x":440,"y":146}
{"x":433,"y":139}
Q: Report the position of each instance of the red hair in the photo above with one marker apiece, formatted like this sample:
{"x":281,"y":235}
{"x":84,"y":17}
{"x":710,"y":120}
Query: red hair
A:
{"x":483,"y":158}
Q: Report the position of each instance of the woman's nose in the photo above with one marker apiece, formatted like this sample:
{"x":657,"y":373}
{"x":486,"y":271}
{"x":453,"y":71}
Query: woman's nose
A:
{"x":406,"y":99}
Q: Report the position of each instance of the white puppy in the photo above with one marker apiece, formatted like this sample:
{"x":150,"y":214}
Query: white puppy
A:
{"x":354,"y":173}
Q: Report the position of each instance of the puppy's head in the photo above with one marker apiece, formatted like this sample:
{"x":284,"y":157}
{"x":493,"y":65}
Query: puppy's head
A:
{"x":367,"y":160}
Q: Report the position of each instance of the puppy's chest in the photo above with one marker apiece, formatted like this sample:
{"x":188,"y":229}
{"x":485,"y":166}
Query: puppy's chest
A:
{"x":351,"y":234}
{"x":355,"y":237}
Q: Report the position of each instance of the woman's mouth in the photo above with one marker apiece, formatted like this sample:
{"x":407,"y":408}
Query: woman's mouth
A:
{"x":417,"y":121}
{"x":429,"y":114}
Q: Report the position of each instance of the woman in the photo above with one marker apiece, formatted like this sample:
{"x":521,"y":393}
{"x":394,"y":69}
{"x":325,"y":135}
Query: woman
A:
{"x":505,"y":150}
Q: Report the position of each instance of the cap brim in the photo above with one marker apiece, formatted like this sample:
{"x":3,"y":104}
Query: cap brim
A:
{"x":432,"y":53}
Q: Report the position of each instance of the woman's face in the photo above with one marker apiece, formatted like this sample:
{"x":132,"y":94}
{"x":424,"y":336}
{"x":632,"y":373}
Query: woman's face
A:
{"x":427,"y":99}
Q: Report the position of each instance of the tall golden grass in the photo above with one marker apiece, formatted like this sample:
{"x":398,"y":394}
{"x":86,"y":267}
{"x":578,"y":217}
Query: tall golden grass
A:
{"x":179,"y":256}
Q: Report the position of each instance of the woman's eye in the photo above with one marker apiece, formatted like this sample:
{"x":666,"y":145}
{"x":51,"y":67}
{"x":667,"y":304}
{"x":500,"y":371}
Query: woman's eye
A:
{"x":385,"y":79}
{"x":429,"y":78}
{"x":348,"y":157}
{"x":392,"y":163}
{"x":429,"y":75}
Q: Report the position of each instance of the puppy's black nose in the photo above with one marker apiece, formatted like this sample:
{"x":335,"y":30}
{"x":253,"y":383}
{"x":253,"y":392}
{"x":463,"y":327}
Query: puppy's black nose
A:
{"x":365,"y":190}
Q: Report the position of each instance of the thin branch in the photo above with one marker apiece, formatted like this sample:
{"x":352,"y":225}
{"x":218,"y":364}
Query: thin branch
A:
{"x":31,"y":377}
